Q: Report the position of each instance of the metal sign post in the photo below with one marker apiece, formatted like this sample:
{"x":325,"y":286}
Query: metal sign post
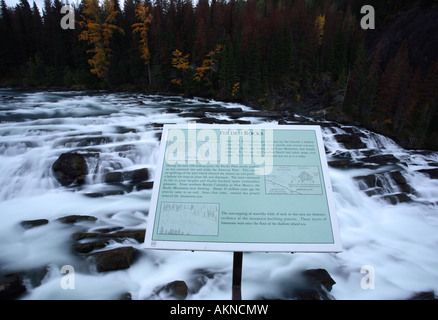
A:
{"x":237,"y":276}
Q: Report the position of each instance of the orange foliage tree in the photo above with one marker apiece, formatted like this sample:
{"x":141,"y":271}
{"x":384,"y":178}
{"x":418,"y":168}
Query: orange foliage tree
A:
{"x":207,"y":66}
{"x":142,"y":27}
{"x":98,"y":25}
{"x":181,"y":63}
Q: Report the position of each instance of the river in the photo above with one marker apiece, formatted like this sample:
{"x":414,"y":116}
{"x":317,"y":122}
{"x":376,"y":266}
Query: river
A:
{"x":386,"y":205}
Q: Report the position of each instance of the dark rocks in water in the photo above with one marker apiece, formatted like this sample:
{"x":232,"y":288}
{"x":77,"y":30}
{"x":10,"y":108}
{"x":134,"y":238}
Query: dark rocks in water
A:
{"x":70,"y":169}
{"x":113,"y":177}
{"x":391,"y":186}
{"x":173,"y":110}
{"x":140,"y":175}
{"x":398,"y":178}
{"x":104,"y":193}
{"x":125,"y":181}
{"x":350,"y":141}
{"x":173,"y":290}
{"x":76,"y":218}
{"x":433,"y":173}
{"x":207,"y":120}
{"x":259,"y":114}
{"x":382,"y":159}
{"x":425,"y":295}
{"x":135,"y":176}
{"x":101,"y":239}
{"x":340,"y":163}
{"x":136,"y":234}
{"x":12,"y":287}
{"x":113,"y":259}
{"x":87,"y":247}
{"x":192,"y":115}
{"x":145,"y":185}
{"x":28,"y":224}
{"x":397,"y":198}
{"x":317,"y":284}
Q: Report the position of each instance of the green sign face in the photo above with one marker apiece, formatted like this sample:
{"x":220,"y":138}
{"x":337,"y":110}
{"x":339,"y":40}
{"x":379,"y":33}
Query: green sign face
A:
{"x":242,"y":188}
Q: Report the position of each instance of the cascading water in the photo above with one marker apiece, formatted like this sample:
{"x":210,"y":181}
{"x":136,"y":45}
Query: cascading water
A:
{"x":386,"y":205}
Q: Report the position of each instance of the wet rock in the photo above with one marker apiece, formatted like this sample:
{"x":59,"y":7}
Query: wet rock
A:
{"x":114,"y":259}
{"x":192,"y":115}
{"x":12,"y":287}
{"x":28,"y":224}
{"x":123,"y":129}
{"x":76,"y":218}
{"x":317,"y":284}
{"x":350,"y":141}
{"x":213,"y":121}
{"x":136,"y":234}
{"x":173,"y":110}
{"x":238,"y":121}
{"x":397,"y":198}
{"x":87,"y":247}
{"x":382,"y":159}
{"x":145,"y":185}
{"x":104,"y":193}
{"x":173,"y":290}
{"x":398,"y":178}
{"x":85,"y":235}
{"x":70,"y":169}
{"x":260,"y":114}
{"x":433,"y":173}
{"x":369,"y":181}
{"x":140,"y":175}
{"x":425,"y":295}
{"x":340,"y":163}
{"x":117,"y":177}
{"x":113,"y":177}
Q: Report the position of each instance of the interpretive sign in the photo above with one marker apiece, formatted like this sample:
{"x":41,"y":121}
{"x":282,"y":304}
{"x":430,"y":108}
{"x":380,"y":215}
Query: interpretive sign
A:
{"x":242,"y":188}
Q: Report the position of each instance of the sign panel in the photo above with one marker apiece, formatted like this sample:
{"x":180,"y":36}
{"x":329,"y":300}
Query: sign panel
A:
{"x":242,"y":188}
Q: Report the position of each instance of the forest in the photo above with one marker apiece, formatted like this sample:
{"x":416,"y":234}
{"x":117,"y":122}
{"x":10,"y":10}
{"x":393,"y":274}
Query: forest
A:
{"x":298,"y":55}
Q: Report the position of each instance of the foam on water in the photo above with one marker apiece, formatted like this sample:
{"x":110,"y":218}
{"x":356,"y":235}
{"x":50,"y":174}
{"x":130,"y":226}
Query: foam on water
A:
{"x":398,"y":241}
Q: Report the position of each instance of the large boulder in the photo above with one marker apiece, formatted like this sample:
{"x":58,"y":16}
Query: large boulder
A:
{"x":317,"y":285}
{"x":12,"y":287}
{"x":177,"y":290}
{"x":70,"y":169}
{"x":113,"y":259}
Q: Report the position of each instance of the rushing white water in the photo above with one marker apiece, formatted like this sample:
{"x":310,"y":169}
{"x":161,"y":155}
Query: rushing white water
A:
{"x":119,"y":132}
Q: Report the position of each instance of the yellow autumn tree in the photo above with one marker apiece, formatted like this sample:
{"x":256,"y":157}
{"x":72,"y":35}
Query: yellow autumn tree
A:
{"x":207,"y":66}
{"x":181,"y":63}
{"x":142,"y":27}
{"x":98,"y":26}
{"x":320,"y":26}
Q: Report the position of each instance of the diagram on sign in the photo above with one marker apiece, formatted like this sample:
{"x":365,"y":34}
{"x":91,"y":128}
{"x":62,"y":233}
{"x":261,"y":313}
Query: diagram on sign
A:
{"x":189,"y":219}
{"x":290,"y":180}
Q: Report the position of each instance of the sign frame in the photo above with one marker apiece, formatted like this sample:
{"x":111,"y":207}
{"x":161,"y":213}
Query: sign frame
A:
{"x":241,"y":246}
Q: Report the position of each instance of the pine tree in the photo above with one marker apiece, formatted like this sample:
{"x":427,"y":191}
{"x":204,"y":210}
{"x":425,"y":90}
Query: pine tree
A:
{"x":393,"y":86}
{"x":8,"y":43}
